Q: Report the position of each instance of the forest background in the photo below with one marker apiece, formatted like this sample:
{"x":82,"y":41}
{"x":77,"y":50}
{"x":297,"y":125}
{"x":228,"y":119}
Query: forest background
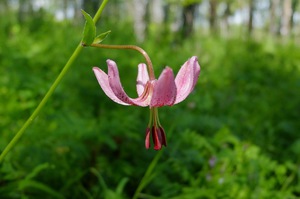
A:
{"x":234,"y":137}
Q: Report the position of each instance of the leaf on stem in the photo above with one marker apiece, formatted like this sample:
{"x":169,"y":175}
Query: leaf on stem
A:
{"x":101,"y":37}
{"x":89,"y":31}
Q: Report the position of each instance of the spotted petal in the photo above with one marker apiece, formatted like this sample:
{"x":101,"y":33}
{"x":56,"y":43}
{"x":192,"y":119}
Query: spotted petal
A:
{"x":186,"y":78}
{"x":164,"y":89}
{"x":116,"y":87}
{"x":104,"y":84}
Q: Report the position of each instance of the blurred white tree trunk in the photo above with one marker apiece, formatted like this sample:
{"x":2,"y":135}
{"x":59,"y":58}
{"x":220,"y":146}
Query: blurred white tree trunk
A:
{"x":274,"y":8}
{"x":139,"y":9}
{"x":157,"y":12}
{"x":286,"y":17}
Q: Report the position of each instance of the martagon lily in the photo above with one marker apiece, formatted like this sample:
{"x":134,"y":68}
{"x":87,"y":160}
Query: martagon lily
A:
{"x":167,"y":90}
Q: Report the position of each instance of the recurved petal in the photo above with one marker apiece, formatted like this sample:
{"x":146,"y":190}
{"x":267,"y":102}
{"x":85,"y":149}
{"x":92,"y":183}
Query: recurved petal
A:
{"x":186,"y":78}
{"x":164,"y":92}
{"x":117,"y":88}
{"x":104,"y":84}
{"x":142,"y":78}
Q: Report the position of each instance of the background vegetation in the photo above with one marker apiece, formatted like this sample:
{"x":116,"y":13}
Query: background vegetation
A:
{"x":236,"y":136}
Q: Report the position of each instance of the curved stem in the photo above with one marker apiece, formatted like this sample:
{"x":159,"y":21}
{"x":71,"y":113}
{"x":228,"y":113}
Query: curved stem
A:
{"x":67,"y":66}
{"x":132,"y":47}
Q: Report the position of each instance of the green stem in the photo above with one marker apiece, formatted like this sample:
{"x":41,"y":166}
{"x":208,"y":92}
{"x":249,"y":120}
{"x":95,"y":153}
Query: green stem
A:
{"x":69,"y":63}
{"x":99,"y":11}
{"x":148,"y":175}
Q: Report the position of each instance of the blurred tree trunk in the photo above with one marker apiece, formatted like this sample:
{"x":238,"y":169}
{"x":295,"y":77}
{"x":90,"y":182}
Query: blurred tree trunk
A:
{"x":286,"y":17}
{"x":139,"y":8}
{"x":188,"y":19}
{"x":25,"y":10}
{"x":77,"y":13}
{"x":292,"y":20}
{"x":213,"y":4}
{"x":147,"y":18}
{"x":226,"y":14}
{"x":65,"y":8}
{"x":4,"y":6}
{"x":251,"y":13}
{"x":273,"y":24}
{"x":156,"y":18}
{"x":157,"y":12}
{"x":90,"y":6}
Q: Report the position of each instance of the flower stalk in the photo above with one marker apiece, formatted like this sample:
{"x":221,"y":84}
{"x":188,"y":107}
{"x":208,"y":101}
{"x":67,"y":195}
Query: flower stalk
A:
{"x":131,"y":47}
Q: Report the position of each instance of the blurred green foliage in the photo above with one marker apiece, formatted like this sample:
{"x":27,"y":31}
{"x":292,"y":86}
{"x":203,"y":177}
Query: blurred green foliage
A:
{"x":236,"y":136}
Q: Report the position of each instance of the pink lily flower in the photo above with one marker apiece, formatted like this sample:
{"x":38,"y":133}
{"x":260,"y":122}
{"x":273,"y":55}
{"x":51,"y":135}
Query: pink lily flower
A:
{"x":166,"y":90}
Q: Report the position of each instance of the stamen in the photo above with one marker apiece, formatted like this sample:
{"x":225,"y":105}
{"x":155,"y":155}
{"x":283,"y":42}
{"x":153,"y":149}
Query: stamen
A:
{"x":155,"y":130}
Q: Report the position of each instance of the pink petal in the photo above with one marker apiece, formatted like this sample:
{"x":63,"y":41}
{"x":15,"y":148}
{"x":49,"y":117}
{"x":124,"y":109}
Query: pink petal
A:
{"x":164,"y":89}
{"x":117,"y":89}
{"x":142,"y":78}
{"x":103,"y":81}
{"x":186,"y":78}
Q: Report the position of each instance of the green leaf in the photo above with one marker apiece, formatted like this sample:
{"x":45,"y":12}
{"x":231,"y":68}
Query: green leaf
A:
{"x":37,"y":170}
{"x":25,"y":184}
{"x":121,"y":186}
{"x":101,"y":37}
{"x":89,"y":31}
